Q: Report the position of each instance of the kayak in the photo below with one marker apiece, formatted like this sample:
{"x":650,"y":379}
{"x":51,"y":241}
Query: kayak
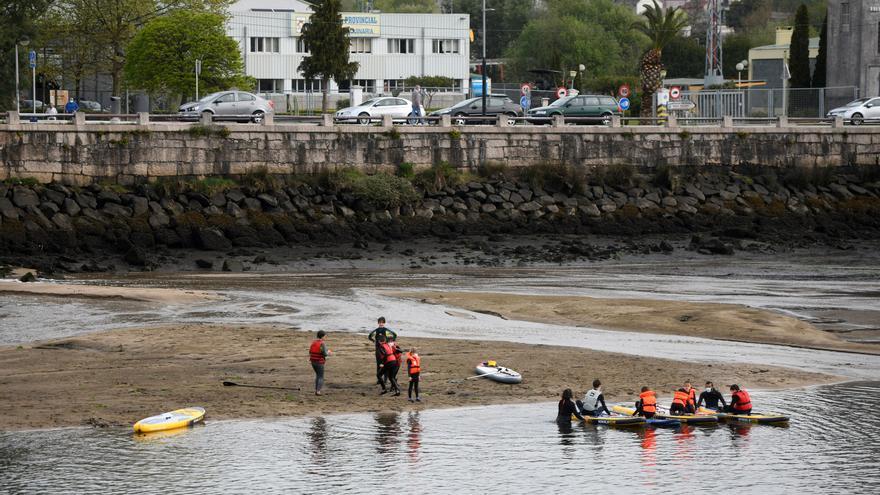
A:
{"x":687,"y":418}
{"x":663,"y":423}
{"x":613,"y":420}
{"x":498,"y":373}
{"x":179,"y":418}
{"x":748,"y":418}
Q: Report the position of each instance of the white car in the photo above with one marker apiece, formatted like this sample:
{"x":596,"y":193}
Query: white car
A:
{"x":374,"y":109}
{"x":859,"y":111}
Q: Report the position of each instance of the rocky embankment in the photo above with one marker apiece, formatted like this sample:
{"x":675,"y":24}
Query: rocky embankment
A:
{"x":725,"y":211}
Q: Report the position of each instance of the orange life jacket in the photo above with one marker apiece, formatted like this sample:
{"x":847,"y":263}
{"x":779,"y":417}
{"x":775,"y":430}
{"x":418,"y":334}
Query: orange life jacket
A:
{"x":680,"y":398}
{"x":692,"y":397}
{"x":315,"y":354}
{"x":743,"y":401}
{"x":414,"y":362}
{"x":649,"y":401}
{"x":390,"y":357}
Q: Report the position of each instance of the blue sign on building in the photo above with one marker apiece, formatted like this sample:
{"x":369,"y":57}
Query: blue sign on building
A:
{"x":32,"y":59}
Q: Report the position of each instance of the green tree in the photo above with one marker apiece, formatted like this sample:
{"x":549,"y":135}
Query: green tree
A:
{"x":799,"y":51}
{"x":328,"y":45}
{"x":504,"y":23}
{"x":685,"y":57}
{"x":736,"y":49}
{"x":407,"y":6}
{"x":16,"y":23}
{"x":661,"y":26}
{"x":819,"y":76}
{"x":162,"y":55}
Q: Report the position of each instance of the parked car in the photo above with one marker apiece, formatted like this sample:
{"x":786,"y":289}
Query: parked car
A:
{"x":89,"y":106}
{"x":28,"y":106}
{"x":373,"y":109}
{"x":599,"y":106}
{"x":229,"y":105}
{"x":858,"y":111}
{"x":495,"y":105}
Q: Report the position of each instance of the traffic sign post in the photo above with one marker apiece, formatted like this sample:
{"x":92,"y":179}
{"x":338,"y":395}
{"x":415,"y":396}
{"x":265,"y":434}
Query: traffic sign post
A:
{"x":32,"y":59}
{"x":623,"y":103}
{"x":561,"y":92}
{"x":623,"y":91}
{"x":675,"y":92}
{"x":525,"y":102}
{"x":198,"y":73}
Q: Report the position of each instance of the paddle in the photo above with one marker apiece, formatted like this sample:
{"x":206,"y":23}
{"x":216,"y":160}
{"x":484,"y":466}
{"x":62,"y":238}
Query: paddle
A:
{"x":233,"y":384}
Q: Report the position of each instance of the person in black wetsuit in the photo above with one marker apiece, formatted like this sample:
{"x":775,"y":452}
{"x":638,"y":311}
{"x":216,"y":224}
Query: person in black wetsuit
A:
{"x":389,"y":335}
{"x":711,"y":397}
{"x":567,"y":408}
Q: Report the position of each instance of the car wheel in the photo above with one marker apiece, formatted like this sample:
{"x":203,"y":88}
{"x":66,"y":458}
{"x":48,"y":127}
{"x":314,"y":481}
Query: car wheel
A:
{"x":459,"y":119}
{"x":364,"y":118}
{"x":511,"y":119}
{"x":606,"y":119}
{"x":258,"y":116}
{"x":857,"y":119}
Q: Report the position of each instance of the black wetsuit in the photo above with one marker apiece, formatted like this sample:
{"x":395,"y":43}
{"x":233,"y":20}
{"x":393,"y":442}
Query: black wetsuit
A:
{"x":567,"y":409}
{"x":374,"y":337}
{"x":711,"y":399}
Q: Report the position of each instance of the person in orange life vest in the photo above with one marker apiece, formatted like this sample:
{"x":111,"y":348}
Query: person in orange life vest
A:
{"x":647,"y":404}
{"x":398,"y":354}
{"x":691,"y":404}
{"x":383,"y":331}
{"x":318,"y":353}
{"x":389,"y":365}
{"x":679,"y":402}
{"x":740,"y":402}
{"x":413,"y":368}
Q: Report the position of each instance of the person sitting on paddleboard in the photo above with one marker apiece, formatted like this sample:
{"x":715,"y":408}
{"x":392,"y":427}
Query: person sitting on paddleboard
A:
{"x":691,"y":404}
{"x":567,"y":408}
{"x":374,"y":337}
{"x":740,"y":402}
{"x":593,"y":399}
{"x":679,"y":405}
{"x":711,"y":397}
{"x":647,"y":404}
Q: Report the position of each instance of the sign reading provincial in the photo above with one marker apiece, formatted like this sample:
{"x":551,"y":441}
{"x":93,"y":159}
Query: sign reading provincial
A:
{"x":360,"y":25}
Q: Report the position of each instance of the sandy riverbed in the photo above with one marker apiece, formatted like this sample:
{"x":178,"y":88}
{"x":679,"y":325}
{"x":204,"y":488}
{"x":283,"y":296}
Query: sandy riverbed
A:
{"x":709,"y":320}
{"x":121,"y":376}
{"x":146,"y":294}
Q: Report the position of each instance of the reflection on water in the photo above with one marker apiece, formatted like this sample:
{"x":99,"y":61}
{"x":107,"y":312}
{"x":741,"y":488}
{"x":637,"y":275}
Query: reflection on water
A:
{"x":505,"y":449}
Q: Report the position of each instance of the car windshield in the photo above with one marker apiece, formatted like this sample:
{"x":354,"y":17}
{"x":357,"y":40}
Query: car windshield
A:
{"x":561,"y":101}
{"x":210,"y":97}
{"x":857,"y":102}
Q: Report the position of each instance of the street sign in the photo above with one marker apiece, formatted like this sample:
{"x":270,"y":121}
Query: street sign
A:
{"x":675,"y":92}
{"x":623,"y":103}
{"x":525,"y":102}
{"x":680,"y":105}
{"x":525,"y":89}
{"x":623,"y":91}
{"x":561,"y":92}
{"x":32,"y":59}
{"x":198,"y":67}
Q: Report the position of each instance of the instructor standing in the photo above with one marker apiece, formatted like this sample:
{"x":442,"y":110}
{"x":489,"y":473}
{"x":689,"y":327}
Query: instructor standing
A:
{"x":318,"y":353}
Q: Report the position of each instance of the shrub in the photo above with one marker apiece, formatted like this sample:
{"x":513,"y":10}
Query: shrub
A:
{"x":619,"y":175}
{"x":406,"y":170}
{"x":212,"y":185}
{"x":490,"y":169}
{"x":437,"y":177}
{"x":455,"y":134}
{"x":663,"y":177}
{"x":384,"y":191}
{"x":260,"y":180}
{"x":199,"y":130}
{"x":21,"y":181}
{"x":554,"y":176}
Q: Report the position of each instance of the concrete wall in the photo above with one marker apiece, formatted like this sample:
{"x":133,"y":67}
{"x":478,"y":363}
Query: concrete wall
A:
{"x":853,"y":56}
{"x":128,"y":153}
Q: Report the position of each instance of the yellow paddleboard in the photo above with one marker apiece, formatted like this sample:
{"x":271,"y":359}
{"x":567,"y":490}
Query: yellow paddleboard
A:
{"x":688,"y":418}
{"x":748,"y":418}
{"x":612,"y":420}
{"x":168,"y":421}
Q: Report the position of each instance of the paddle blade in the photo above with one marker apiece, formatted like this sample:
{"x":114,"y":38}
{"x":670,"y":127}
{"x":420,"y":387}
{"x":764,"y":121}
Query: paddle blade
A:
{"x":230,"y":384}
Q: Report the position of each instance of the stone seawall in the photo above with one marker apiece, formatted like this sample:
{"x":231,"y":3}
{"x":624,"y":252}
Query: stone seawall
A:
{"x":131,"y":153}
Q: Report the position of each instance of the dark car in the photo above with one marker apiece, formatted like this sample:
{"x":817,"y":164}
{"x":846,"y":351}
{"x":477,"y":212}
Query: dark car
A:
{"x":473,"y":107}
{"x":598,"y":107}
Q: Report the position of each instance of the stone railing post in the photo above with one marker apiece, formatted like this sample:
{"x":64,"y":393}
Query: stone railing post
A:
{"x":837,"y":123}
{"x":615,"y":121}
{"x":387,"y":121}
{"x":672,"y":121}
{"x":558,"y":121}
{"x":445,"y":121}
{"x":782,"y":121}
{"x":268,"y":119}
{"x":501,"y":120}
{"x":207,"y":118}
{"x":326,"y":120}
{"x":727,"y":122}
{"x":12,"y":118}
{"x":143,"y":118}
{"x":79,"y":119}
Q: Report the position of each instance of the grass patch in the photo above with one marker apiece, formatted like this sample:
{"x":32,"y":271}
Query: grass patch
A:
{"x":455,"y":134}
{"x":199,"y":130}
{"x":684,"y":135}
{"x":393,"y":133}
{"x":437,"y":177}
{"x":21,"y":181}
{"x":555,"y":176}
{"x":493,"y":170}
{"x":379,"y":190}
{"x":260,"y":180}
{"x":620,"y":175}
{"x":406,"y":170}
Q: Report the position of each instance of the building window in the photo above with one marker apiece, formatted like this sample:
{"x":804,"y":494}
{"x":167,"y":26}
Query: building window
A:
{"x":270,"y":85}
{"x":445,"y":46}
{"x":361,"y":45}
{"x":844,"y":16}
{"x":398,"y":45}
{"x":369,"y":85}
{"x":264,"y":45}
{"x":301,"y":46}
{"x":393,"y":85}
{"x":305,"y":85}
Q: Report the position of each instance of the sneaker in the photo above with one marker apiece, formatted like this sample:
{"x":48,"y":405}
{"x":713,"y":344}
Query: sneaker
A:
{"x":418,"y":400}
{"x":383,"y":392}
{"x":318,"y":393}
{"x":411,"y":399}
{"x":397,"y":394}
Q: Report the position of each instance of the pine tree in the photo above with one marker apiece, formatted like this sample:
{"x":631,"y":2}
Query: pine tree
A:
{"x":799,"y":57}
{"x":819,"y":79}
{"x":328,"y":45}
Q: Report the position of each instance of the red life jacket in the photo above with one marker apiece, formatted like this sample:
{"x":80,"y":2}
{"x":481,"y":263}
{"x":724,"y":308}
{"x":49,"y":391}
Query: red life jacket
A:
{"x":692,"y":397}
{"x":414,"y":362}
{"x":315,"y":354}
{"x":743,"y":401}
{"x":390,"y":357}
{"x":680,"y":398}
{"x":649,"y":401}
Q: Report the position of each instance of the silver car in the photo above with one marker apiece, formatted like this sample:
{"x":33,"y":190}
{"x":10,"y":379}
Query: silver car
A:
{"x":229,"y":105}
{"x":859,"y":111}
{"x":374,"y":109}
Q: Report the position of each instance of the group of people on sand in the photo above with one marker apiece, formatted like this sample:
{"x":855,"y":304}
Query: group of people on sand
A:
{"x":684,"y":402}
{"x":389,"y":359}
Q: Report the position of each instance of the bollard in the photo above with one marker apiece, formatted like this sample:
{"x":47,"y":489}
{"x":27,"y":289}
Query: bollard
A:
{"x":207,"y":118}
{"x":445,"y":121}
{"x":615,"y":121}
{"x":326,"y":120}
{"x":558,"y":121}
{"x":268,"y":119}
{"x":501,"y":120}
{"x":727,"y":122}
{"x":143,"y":118}
{"x":387,"y":121}
{"x":79,"y":119}
{"x":782,"y":121}
{"x":12,"y":118}
{"x":838,"y":122}
{"x":672,"y":121}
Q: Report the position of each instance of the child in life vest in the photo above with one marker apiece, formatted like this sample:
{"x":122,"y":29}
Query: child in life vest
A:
{"x":414,"y":368}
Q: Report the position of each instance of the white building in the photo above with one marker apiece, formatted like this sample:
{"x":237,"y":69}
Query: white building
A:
{"x":388,"y":47}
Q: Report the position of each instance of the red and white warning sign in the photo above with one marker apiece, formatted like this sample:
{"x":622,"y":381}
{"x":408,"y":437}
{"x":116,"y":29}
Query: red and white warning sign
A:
{"x":561,"y":92}
{"x":525,"y":89}
{"x":623,"y":91}
{"x":675,"y":92}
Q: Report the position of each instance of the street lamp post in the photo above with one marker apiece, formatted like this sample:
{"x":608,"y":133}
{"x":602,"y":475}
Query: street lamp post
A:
{"x":22,"y":42}
{"x":483,"y":71}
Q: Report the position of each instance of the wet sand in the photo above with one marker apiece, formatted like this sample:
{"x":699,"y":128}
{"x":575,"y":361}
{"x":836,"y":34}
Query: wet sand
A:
{"x":153,"y":295}
{"x":709,"y":320}
{"x":118,"y":377}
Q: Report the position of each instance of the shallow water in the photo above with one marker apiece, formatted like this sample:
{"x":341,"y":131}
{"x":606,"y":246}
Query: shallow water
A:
{"x":513,"y":449}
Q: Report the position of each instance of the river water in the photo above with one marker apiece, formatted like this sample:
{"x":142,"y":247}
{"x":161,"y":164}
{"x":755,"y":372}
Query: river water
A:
{"x":830,"y":445}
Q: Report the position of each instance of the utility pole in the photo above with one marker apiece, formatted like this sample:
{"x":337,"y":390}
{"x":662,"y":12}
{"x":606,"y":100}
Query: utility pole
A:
{"x":33,"y":61}
{"x":713,"y":75}
{"x":484,"y":58}
{"x":198,"y":72}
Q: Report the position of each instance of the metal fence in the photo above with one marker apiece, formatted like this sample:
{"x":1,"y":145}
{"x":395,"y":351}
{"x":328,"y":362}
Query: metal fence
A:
{"x":766,"y":102}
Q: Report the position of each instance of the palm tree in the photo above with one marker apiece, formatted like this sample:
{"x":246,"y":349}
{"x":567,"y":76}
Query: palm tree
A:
{"x":661,"y":27}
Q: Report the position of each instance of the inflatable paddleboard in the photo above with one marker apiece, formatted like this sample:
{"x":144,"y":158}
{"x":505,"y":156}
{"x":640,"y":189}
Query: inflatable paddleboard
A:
{"x":613,"y":420}
{"x":498,"y":373}
{"x":748,"y":418}
{"x":168,"y":421}
{"x":687,"y":418}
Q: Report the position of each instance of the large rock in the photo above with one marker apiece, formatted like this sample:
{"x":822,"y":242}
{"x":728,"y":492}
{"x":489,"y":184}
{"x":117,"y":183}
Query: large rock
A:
{"x":695,"y":192}
{"x":54,"y":196}
{"x":529,"y":207}
{"x":24,"y":197}
{"x":108,"y":196}
{"x":85,"y":200}
{"x":232,"y":266}
{"x":116,"y":210}
{"x":62,"y":221}
{"x":268,"y":200}
{"x":590,"y":210}
{"x":140,"y":205}
{"x":212,"y":239}
{"x":8,"y":210}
